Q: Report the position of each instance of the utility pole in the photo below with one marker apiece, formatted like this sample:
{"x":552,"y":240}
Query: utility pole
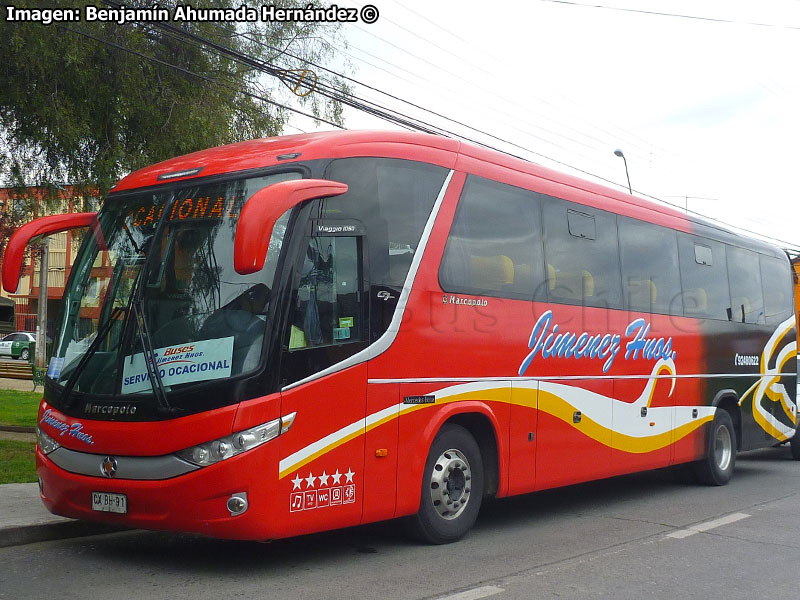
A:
{"x":41,"y":317}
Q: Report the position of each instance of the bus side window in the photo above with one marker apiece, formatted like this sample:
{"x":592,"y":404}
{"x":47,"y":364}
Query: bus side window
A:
{"x":650,"y":274}
{"x":776,"y":279}
{"x":747,"y":300}
{"x":704,"y":277}
{"x":581,"y":248}
{"x":495,"y":244}
{"x":327,"y":306}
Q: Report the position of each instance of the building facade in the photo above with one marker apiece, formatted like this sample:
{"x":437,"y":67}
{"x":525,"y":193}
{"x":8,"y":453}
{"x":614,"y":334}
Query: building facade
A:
{"x":20,"y":205}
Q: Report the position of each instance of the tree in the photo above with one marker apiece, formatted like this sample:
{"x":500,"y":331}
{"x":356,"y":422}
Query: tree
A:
{"x":84,"y":103}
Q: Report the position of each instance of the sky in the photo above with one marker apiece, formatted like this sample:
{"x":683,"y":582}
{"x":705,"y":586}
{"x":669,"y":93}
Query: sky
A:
{"x":704,"y":104}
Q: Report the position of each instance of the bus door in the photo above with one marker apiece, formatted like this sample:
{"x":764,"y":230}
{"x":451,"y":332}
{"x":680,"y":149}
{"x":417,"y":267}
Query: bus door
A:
{"x":322,"y":461}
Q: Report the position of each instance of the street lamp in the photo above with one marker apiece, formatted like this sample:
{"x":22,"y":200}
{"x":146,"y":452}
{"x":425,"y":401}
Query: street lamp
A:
{"x":619,"y":153}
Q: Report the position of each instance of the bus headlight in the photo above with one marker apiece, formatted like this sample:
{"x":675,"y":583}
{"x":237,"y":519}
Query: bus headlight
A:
{"x":46,"y":443}
{"x":215,"y":451}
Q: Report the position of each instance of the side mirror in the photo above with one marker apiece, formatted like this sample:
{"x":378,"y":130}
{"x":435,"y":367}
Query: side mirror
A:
{"x":15,"y":250}
{"x":263,"y":209}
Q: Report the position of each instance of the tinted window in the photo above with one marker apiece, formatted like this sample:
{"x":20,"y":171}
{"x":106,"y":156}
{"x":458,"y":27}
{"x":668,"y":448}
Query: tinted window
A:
{"x":650,"y":274}
{"x":327,"y":307}
{"x":393,"y":198}
{"x":747,"y":301}
{"x":581,"y":269}
{"x":776,"y":279}
{"x":705,"y":286}
{"x":495,"y":245}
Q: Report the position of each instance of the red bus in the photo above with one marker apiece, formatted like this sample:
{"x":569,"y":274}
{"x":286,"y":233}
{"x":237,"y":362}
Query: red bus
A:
{"x":316,"y":331}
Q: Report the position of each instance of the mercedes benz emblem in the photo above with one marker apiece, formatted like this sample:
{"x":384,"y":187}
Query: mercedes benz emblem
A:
{"x":109,"y":466}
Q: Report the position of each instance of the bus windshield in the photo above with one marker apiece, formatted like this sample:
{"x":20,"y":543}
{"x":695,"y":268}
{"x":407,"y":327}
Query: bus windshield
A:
{"x":155,"y":278}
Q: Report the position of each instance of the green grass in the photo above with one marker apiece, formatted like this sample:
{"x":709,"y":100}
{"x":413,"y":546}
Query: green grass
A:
{"x":19,"y":408}
{"x":17,"y":462}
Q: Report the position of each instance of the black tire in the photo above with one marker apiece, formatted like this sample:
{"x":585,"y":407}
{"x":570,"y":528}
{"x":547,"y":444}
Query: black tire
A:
{"x":794,"y":445}
{"x":25,"y":354}
{"x":452,"y":487}
{"x":716,"y":468}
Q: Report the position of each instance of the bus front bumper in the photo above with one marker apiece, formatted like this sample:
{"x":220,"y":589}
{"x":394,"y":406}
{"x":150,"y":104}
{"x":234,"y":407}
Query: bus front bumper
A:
{"x":196,"y":502}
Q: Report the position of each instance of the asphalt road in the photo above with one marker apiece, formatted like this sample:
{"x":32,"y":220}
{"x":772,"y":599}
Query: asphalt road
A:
{"x":652,"y":535}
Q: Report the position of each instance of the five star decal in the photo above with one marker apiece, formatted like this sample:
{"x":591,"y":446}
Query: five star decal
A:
{"x":318,"y":494}
{"x":296,"y":482}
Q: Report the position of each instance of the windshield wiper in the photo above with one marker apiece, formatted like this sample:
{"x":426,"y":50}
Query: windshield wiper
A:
{"x":133,"y":308}
{"x":150,"y":360}
{"x":102,"y":333}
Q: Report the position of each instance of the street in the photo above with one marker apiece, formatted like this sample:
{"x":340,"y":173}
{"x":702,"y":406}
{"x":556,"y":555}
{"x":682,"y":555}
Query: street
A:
{"x":652,"y":535}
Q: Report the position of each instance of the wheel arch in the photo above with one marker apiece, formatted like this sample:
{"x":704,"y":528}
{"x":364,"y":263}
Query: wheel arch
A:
{"x":728,"y":400}
{"x":483,"y":423}
{"x":485,"y":434}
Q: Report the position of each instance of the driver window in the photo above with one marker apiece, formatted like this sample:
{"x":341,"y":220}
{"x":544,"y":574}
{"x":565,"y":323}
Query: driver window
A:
{"x":326,"y":309}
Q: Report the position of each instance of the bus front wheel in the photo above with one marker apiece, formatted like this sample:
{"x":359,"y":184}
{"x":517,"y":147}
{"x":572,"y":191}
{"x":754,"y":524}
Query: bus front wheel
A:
{"x":716,"y":468}
{"x":452,"y":487}
{"x":794,"y":444}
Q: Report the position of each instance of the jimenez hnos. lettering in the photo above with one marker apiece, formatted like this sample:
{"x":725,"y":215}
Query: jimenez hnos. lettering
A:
{"x":74,"y":430}
{"x":547,"y":340}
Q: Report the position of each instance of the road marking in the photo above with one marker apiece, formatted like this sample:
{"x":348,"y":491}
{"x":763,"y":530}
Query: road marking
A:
{"x":684,"y":533}
{"x":475,"y":593}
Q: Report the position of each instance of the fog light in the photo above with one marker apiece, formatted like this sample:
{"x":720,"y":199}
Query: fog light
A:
{"x":237,"y":503}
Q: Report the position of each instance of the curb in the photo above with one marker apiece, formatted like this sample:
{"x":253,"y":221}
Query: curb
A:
{"x":18,"y":429}
{"x":44,"y":532}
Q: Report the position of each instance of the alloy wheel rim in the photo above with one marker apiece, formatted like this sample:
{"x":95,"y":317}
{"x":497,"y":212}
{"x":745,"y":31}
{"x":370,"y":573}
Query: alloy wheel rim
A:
{"x":723,"y":448}
{"x":451,"y":484}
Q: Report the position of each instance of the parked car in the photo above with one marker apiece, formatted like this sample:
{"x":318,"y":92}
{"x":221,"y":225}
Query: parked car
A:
{"x":19,"y":344}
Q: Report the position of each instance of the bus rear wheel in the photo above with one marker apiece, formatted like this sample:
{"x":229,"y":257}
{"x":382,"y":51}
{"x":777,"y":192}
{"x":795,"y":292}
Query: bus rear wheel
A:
{"x":717,"y":466}
{"x":794,"y":444}
{"x":452,"y":487}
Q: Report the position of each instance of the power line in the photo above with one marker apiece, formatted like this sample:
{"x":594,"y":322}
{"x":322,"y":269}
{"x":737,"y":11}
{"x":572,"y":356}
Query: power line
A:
{"x":676,"y":15}
{"x":406,"y":125}
{"x":194,"y":74}
{"x":377,"y":110}
{"x":484,"y":51}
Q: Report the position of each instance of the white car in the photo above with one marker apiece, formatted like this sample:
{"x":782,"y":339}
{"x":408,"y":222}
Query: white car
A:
{"x":19,"y":344}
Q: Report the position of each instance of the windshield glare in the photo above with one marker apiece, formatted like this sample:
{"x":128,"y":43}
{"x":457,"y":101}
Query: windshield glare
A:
{"x":172,"y":253}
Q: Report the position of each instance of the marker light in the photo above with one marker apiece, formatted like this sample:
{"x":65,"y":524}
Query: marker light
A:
{"x":209,"y":453}
{"x":46,"y":443}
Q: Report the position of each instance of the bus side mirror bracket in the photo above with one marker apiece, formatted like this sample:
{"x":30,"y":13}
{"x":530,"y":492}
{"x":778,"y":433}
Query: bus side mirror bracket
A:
{"x":15,"y":250}
{"x":263,"y":209}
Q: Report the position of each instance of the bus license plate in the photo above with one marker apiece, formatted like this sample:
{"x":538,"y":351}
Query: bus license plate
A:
{"x":105,"y":502}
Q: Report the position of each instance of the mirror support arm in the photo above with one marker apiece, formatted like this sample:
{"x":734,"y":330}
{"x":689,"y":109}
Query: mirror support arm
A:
{"x":263,"y":209}
{"x":15,"y":250}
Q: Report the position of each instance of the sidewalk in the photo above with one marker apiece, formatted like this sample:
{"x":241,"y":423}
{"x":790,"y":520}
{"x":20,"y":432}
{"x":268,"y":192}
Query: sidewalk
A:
{"x":21,"y":385}
{"x":25,"y":520}
{"x":23,"y":517}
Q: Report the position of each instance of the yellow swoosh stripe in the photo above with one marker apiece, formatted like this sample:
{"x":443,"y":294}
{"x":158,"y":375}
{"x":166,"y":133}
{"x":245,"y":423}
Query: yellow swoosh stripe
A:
{"x":528,"y":398}
{"x":564,"y":411}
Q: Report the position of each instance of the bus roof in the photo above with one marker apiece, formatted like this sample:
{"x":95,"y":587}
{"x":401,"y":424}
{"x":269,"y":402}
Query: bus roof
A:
{"x":450,"y":153}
